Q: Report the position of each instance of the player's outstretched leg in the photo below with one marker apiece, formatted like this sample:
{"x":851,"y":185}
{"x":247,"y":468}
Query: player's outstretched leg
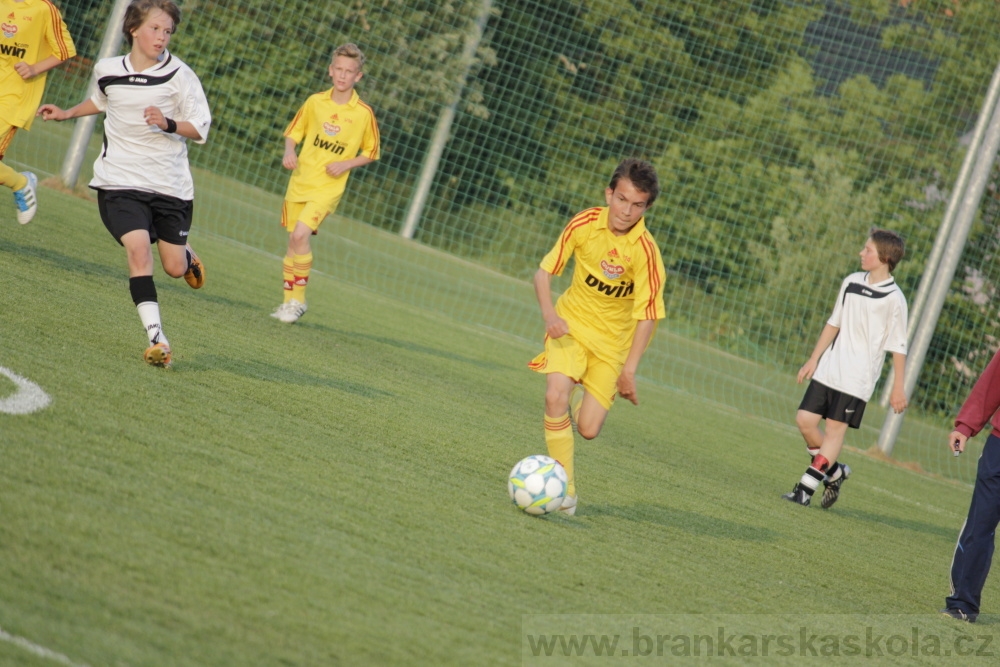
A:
{"x":803,"y":491}
{"x":26,"y":200}
{"x":195,"y":274}
{"x":832,"y":485}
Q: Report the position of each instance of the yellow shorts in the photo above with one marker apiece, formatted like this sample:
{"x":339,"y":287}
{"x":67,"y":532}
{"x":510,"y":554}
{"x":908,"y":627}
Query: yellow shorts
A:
{"x":565,"y":355}
{"x":309,"y":213}
{"x":7,"y":133}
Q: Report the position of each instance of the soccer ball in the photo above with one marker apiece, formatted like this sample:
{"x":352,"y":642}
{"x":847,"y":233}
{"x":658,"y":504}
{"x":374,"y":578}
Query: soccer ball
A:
{"x":537,"y":484}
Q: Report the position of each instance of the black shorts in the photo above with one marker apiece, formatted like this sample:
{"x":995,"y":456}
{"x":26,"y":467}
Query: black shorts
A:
{"x":833,"y":404}
{"x":166,"y":218}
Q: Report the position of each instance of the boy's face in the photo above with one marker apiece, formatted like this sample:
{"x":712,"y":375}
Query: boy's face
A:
{"x":626,"y":204}
{"x":869,"y":257}
{"x":153,"y":36}
{"x":345,"y":73}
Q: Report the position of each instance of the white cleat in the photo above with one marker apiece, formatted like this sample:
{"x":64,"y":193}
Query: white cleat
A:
{"x":568,"y":506}
{"x":292,"y":311}
{"x":25,"y":199}
{"x":279,"y":311}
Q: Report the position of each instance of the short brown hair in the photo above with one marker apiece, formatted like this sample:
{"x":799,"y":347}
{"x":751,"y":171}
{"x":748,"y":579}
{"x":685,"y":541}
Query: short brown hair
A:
{"x":642,"y":174}
{"x":350,"y":50}
{"x":138,"y":10}
{"x":890,"y":246}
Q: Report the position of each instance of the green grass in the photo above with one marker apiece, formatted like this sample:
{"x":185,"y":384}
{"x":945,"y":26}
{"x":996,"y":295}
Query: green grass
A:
{"x":334,"y":492}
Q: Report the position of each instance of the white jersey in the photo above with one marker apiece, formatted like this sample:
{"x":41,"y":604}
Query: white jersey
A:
{"x":137,"y":156}
{"x":872,"y":321}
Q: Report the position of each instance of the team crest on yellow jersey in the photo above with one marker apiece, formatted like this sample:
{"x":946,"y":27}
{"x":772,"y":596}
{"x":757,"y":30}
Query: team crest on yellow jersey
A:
{"x":611,"y":271}
{"x":8,"y":29}
{"x":331,"y":130}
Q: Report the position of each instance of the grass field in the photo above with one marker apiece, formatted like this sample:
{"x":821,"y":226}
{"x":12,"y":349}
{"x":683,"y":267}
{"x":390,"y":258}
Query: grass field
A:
{"x":334,"y":492}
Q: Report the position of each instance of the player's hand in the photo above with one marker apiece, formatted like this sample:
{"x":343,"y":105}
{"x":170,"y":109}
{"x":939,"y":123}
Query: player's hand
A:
{"x":957,"y":436}
{"x":627,"y":389}
{"x":335,"y":169}
{"x":290,"y":161}
{"x":153,"y":116}
{"x":556,"y":327}
{"x":51,"y":112}
{"x":898,"y":400}
{"x":25,"y":70}
{"x":807,"y":371}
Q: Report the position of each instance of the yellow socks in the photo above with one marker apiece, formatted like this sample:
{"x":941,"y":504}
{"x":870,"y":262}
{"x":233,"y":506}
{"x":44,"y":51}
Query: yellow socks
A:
{"x":288,"y":276}
{"x":11,"y":178}
{"x":301,"y":266}
{"x":559,"y":440}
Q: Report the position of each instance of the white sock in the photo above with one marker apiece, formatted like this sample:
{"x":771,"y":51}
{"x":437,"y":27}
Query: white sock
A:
{"x":149,"y":313}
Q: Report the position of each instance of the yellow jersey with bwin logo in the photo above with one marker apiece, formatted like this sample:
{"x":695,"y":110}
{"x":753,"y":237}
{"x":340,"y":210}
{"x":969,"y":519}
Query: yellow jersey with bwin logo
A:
{"x":329,"y":132}
{"x":30,"y":31}
{"x":617,"y":281}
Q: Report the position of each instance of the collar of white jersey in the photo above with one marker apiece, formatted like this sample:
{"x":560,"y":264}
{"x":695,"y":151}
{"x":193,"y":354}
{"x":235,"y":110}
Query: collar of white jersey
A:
{"x":163,"y":62}
{"x":888,"y":282}
{"x":638,"y":229}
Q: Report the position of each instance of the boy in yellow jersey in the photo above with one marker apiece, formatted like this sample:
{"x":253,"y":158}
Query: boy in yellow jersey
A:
{"x":33,"y":40}
{"x":599,"y":328}
{"x":338,"y":132}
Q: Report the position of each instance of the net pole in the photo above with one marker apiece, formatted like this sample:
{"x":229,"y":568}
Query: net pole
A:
{"x":84,"y":127}
{"x":442,"y":129}
{"x":952,"y":254}
{"x":957,"y":193}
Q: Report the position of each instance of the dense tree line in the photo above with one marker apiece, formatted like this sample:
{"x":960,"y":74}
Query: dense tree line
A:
{"x":774,"y":162}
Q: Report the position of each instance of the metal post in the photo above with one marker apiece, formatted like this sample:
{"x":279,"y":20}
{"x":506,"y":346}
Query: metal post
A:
{"x":442,"y":129}
{"x":84,"y":127}
{"x":958,"y":191}
{"x":964,"y":218}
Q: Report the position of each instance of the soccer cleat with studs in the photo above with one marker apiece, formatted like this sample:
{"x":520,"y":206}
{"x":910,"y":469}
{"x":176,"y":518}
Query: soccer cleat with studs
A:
{"x":158,"y":354}
{"x":290,"y":311}
{"x":832,"y":490}
{"x":195,"y":275}
{"x":26,"y":200}
{"x":798,"y":495}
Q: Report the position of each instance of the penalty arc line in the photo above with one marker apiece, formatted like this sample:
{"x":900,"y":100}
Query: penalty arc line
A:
{"x":41,"y":651}
{"x":28,"y":398}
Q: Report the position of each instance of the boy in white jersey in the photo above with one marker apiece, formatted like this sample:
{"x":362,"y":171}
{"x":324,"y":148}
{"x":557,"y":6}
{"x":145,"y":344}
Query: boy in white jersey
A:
{"x":869,"y":319}
{"x":153,"y":103}
{"x":338,"y":133}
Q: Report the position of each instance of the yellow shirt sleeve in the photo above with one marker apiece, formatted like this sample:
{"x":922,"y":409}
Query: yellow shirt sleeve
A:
{"x":650,"y":277}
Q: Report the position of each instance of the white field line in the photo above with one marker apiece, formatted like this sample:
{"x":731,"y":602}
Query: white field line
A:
{"x":41,"y":651}
{"x":28,"y":398}
{"x":917,"y":503}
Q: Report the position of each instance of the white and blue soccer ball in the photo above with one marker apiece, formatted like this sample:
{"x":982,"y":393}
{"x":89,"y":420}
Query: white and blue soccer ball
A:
{"x":537,"y":484}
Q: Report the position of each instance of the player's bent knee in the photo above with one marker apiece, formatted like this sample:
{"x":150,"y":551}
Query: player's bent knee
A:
{"x":588,"y":432}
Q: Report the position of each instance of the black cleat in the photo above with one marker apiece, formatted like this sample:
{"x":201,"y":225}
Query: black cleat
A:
{"x":959,"y":615}
{"x":798,"y":495}
{"x":832,"y":490}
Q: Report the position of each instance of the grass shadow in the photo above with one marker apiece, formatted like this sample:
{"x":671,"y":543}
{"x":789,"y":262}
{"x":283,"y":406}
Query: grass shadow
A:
{"x":902,"y":524}
{"x":406,"y":345}
{"x":689,"y":522}
{"x":258,"y":370}
{"x":64,"y":263}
